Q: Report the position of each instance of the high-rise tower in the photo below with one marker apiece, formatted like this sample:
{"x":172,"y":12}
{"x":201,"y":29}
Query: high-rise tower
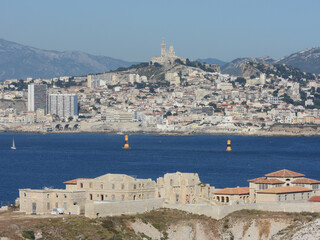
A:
{"x":37,"y":97}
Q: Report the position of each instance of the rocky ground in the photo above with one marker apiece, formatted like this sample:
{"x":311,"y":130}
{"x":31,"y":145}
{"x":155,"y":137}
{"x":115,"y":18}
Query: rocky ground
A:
{"x":163,"y":224}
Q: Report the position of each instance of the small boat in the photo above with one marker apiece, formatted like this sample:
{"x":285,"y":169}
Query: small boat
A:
{"x":13,"y":145}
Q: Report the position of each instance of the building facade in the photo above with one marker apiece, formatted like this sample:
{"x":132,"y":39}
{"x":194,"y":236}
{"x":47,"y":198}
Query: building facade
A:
{"x":63,"y":105}
{"x":37,"y":97}
{"x":183,"y":188}
{"x":282,"y":185}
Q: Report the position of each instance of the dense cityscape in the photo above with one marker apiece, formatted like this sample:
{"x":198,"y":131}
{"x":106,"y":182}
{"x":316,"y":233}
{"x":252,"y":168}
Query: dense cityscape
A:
{"x":159,"y":120}
{"x":169,"y":94}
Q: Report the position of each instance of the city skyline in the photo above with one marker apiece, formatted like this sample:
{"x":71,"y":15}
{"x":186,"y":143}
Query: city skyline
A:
{"x":223,"y":30}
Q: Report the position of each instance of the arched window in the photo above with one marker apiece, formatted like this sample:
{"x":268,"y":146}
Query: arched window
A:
{"x":122,"y":186}
{"x":222,"y":199}
{"x":227,"y":199}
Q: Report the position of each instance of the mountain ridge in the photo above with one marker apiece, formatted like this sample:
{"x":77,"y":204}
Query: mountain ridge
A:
{"x":20,"y":61}
{"x":307,"y":60}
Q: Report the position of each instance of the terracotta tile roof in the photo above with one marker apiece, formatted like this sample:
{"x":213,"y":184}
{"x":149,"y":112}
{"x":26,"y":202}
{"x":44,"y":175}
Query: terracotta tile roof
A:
{"x":315,"y":199}
{"x":74,"y":181}
{"x":284,"y":173}
{"x":285,"y":190}
{"x":233,"y":191}
{"x":305,"y":180}
{"x":266,"y":180}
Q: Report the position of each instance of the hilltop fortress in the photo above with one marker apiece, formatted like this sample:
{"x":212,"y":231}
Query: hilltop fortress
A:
{"x":116,"y":194}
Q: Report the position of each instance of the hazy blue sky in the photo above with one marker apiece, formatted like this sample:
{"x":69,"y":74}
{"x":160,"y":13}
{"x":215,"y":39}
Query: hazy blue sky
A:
{"x":132,"y":29}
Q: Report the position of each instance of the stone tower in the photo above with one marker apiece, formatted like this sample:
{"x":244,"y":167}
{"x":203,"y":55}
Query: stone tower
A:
{"x":163,"y":48}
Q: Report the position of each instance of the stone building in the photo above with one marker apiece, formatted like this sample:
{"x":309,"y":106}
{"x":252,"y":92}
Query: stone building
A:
{"x":114,"y":187}
{"x":167,"y":56}
{"x":183,"y":188}
{"x":282,"y":185}
{"x":42,"y":201}
{"x":283,"y":194}
{"x":232,"y":195}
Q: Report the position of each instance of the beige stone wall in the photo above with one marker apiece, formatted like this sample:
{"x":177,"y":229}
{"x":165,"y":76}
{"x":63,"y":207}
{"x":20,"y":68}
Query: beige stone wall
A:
{"x":284,"y":197}
{"x":182,"y":188}
{"x":108,"y":208}
{"x":219,"y":212}
{"x":116,"y":187}
{"x":43,"y":201}
{"x":231,"y":199}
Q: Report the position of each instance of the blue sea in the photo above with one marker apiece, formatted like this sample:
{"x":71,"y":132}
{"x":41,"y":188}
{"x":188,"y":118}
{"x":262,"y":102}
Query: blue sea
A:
{"x":47,"y":160}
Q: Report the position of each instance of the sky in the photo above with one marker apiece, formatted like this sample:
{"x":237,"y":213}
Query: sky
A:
{"x":132,"y":30}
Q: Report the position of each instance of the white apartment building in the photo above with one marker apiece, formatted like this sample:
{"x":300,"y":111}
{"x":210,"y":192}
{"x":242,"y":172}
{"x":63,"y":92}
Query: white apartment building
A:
{"x":37,"y":97}
{"x":63,"y":105}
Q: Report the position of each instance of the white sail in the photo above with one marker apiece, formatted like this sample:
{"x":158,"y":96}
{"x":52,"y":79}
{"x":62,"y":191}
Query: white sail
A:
{"x":13,"y":145}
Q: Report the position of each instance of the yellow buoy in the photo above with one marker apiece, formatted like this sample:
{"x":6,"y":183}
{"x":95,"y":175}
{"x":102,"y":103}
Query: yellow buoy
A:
{"x":229,"y":146}
{"x":126,"y":142}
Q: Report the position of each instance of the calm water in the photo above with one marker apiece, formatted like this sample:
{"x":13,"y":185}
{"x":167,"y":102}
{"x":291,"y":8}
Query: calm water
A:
{"x":49,"y":160}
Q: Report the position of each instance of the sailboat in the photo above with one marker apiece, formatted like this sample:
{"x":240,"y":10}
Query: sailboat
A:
{"x":13,"y":146}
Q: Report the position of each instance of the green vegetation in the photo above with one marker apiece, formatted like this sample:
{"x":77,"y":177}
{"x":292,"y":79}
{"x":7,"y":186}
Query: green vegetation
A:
{"x":284,"y":71}
{"x":242,"y":81}
{"x":28,"y":234}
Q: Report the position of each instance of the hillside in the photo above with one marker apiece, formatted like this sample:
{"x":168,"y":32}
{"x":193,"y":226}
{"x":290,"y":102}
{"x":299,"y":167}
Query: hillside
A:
{"x":156,"y":72}
{"x":212,"y":61}
{"x":307,"y":60}
{"x":19,"y":61}
{"x":163,"y":224}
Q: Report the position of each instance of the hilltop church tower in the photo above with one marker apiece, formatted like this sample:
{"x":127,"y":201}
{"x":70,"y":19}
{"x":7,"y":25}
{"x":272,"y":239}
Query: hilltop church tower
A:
{"x":163,"y":48}
{"x":166,"y":57}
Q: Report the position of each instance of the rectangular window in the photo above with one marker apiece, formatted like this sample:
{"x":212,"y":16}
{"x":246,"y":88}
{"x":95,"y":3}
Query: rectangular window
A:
{"x":48,"y":206}
{"x":263,"y":186}
{"x":65,"y":206}
{"x":56,"y":204}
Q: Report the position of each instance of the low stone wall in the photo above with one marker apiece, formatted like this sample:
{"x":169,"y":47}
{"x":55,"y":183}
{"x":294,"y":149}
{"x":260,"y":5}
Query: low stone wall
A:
{"x":110,"y":208}
{"x":219,"y":212}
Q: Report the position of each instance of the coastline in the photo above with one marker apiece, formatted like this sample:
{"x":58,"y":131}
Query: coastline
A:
{"x":182,"y":133}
